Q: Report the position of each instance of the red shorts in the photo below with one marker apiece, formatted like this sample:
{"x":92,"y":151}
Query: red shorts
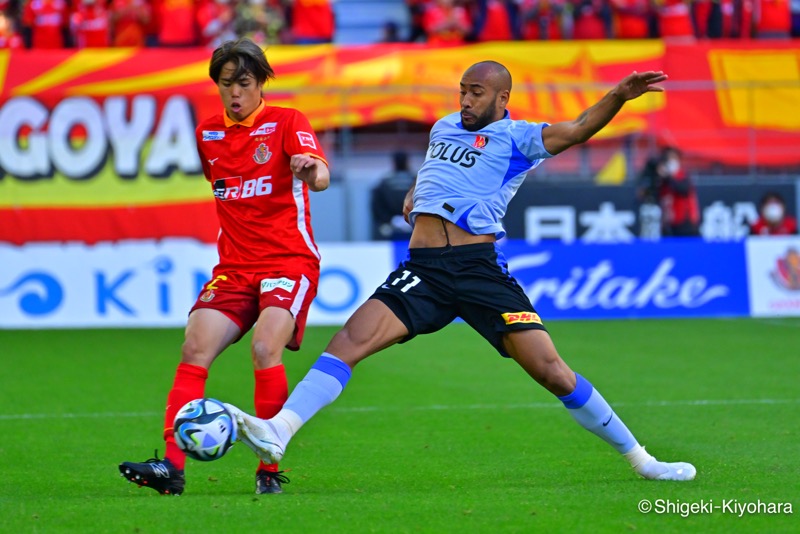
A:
{"x":242,"y":296}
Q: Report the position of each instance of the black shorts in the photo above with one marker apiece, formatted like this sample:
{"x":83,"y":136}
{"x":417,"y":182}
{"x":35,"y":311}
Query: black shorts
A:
{"x":436,"y":285}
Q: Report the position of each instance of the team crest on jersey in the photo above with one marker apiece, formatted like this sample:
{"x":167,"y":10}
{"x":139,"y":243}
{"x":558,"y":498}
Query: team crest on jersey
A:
{"x":265,"y":129}
{"x":207,"y":296}
{"x":306,"y":139}
{"x":480,"y":141}
{"x":262,"y":154}
{"x":213,"y":135}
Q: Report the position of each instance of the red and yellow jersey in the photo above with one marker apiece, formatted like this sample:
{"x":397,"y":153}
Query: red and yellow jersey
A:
{"x":313,"y":19}
{"x":263,"y":210}
{"x":446,"y":25}
{"x":129,"y":21}
{"x":91,"y":26}
{"x":176,"y":22}
{"x":47,"y":20}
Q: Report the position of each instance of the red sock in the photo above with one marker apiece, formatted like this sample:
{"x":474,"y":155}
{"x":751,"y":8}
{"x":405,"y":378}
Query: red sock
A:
{"x":189,"y":384}
{"x":271,"y":393}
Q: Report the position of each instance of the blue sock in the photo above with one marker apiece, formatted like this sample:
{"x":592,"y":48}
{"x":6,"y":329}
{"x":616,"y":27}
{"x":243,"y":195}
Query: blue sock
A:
{"x":321,"y":386}
{"x":593,"y":413}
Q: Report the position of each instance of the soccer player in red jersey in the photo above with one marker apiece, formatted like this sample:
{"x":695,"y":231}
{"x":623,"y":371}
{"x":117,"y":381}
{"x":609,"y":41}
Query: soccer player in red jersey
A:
{"x":260,"y":161}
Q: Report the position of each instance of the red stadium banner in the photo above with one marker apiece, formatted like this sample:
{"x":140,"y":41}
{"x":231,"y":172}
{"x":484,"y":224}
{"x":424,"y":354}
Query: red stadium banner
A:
{"x":98,"y":145}
{"x":738,"y":100}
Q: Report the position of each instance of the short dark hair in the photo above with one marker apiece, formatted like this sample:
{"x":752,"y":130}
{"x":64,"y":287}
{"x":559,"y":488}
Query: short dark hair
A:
{"x":770,"y":196}
{"x":248,"y":57}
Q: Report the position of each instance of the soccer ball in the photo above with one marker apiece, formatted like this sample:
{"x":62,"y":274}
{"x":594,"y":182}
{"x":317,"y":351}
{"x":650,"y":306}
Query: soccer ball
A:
{"x":204,"y":429}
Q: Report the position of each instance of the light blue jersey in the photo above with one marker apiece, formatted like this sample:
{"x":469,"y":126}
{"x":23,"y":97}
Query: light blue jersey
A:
{"x":468,"y":178}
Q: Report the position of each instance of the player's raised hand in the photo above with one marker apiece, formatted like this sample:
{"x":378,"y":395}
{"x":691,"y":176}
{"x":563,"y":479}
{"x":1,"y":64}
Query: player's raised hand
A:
{"x":638,"y":83}
{"x":311,"y":170}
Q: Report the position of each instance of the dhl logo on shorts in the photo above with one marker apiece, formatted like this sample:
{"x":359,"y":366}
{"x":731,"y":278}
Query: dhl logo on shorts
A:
{"x":522,"y":317}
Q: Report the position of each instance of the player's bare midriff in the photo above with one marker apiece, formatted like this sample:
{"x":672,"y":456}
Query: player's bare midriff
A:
{"x":431,"y":231}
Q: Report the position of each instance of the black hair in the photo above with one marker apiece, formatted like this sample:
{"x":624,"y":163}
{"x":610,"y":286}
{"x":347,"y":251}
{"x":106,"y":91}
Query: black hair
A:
{"x":248,"y":57}
{"x":771,"y":195}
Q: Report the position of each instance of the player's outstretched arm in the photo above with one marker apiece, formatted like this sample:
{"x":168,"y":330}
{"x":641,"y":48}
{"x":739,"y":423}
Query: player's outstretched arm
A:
{"x":562,"y":135}
{"x":313,"y":171}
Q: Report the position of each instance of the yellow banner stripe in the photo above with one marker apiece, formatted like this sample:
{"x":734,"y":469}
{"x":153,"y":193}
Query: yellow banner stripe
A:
{"x":152,"y":81}
{"x":78,"y":64}
{"x":105,"y":190}
{"x":5,"y":56}
{"x":756,"y":88}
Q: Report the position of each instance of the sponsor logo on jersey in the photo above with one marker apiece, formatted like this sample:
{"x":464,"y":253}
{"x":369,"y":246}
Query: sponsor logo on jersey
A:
{"x":265,"y":129}
{"x":234,"y":187}
{"x":262,"y":154}
{"x":213,"y":135}
{"x":521,"y":317}
{"x":270,"y":284}
{"x":207,"y":296}
{"x":228,"y":188}
{"x":306,"y":139}
{"x":480,"y":141}
{"x":455,"y":154}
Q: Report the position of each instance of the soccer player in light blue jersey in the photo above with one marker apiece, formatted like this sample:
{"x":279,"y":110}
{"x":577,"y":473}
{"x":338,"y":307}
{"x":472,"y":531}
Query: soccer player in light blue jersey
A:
{"x":476,"y":161}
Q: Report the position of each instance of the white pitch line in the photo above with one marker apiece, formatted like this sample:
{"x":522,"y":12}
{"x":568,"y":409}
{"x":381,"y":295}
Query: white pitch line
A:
{"x":94,"y":415}
{"x":429,"y":408}
{"x":536,"y":405}
{"x":787,"y":322}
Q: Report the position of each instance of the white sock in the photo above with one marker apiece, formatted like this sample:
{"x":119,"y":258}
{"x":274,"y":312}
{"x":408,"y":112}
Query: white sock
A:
{"x":644,"y":463}
{"x":321,"y":386}
{"x":286,"y":423}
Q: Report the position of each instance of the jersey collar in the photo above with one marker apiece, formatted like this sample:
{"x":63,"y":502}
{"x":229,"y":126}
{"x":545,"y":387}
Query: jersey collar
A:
{"x":247,"y":121}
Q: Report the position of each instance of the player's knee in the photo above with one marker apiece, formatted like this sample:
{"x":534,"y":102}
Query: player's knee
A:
{"x":557,"y":379}
{"x":347,"y":346}
{"x":265,"y":354}
{"x":194,"y":353}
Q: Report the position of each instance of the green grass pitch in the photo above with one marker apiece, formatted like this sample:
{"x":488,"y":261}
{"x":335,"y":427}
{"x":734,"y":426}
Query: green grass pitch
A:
{"x":438,"y":435}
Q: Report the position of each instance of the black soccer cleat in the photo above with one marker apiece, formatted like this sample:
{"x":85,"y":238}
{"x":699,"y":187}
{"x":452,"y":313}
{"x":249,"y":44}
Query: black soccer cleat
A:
{"x":270,"y":482}
{"x":155,"y":473}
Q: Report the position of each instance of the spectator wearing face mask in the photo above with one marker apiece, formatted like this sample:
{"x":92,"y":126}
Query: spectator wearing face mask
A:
{"x":772,"y":217}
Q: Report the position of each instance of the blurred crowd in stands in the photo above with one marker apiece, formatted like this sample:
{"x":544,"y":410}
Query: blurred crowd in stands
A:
{"x":45,"y":24}
{"x":178,"y":23}
{"x":453,"y":21}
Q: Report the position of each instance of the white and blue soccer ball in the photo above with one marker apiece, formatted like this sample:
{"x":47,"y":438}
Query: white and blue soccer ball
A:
{"x":204,"y":429}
